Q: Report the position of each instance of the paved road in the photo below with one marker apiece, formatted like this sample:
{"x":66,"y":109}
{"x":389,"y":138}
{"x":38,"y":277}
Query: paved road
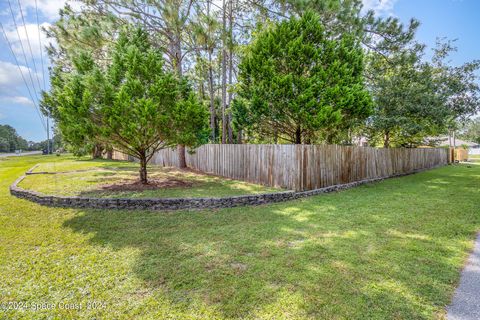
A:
{"x":466,"y":300}
{"x":21,"y":154}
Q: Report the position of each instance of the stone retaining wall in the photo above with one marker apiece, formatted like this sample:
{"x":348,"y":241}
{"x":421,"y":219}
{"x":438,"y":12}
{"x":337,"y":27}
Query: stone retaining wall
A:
{"x":174,"y":203}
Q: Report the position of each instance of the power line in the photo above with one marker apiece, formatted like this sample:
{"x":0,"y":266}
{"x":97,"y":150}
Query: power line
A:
{"x":37,"y":109}
{"x":29,"y":45}
{"x":41,"y":48}
{"x":23,"y":77}
{"x":23,"y":49}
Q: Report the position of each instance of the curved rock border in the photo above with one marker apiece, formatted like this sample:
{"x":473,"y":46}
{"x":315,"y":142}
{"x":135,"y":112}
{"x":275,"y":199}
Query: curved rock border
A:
{"x":176,"y":203}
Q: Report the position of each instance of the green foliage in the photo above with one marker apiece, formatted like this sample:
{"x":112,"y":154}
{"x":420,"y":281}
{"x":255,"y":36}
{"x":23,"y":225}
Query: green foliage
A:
{"x":10,"y":140}
{"x":241,"y":114}
{"x":84,"y":31}
{"x":190,"y":122}
{"x":378,"y":35}
{"x":407,"y":104}
{"x":390,"y":72}
{"x":88,"y":32}
{"x":472,"y":131}
{"x":55,"y":143}
{"x":458,"y":85}
{"x":69,"y":107}
{"x":416,"y":99}
{"x":337,"y":16}
{"x":298,"y":82}
{"x":133,"y":105}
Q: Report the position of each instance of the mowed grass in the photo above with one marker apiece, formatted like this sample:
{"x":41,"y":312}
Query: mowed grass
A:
{"x":474,"y":157}
{"x":68,"y":163}
{"x":389,"y":250}
{"x":92,"y":178}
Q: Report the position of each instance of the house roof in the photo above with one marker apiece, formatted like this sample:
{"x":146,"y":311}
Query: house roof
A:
{"x":458,"y":142}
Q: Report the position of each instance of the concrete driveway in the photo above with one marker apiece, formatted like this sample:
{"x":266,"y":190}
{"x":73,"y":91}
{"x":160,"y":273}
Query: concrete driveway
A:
{"x":466,"y":300}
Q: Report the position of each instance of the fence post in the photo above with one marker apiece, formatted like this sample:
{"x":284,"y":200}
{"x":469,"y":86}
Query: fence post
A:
{"x":451,"y":155}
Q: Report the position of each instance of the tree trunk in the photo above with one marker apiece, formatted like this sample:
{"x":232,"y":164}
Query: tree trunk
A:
{"x":178,"y":60}
{"x":224,"y":75}
{"x":143,"y":169}
{"x":211,"y":91}
{"x":230,"y":69}
{"x":178,"y":55}
{"x":298,"y":136}
{"x":109,"y":154}
{"x":201,"y":83}
{"x":212,"y":103}
{"x":182,"y":163}
{"x":239,"y":136}
{"x":230,"y":129}
{"x":454,"y":140}
{"x":386,"y":140}
{"x":97,"y":151}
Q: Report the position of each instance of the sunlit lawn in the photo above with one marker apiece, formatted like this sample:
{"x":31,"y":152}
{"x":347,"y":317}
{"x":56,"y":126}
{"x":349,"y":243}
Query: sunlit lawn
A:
{"x":389,"y":250}
{"x":90,"y":178}
{"x":474,"y":157}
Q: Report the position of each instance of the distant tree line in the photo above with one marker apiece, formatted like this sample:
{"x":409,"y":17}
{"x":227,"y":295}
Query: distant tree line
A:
{"x":10,"y":141}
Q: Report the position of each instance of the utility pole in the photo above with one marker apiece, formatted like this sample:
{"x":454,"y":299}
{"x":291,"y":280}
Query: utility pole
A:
{"x":48,"y":136}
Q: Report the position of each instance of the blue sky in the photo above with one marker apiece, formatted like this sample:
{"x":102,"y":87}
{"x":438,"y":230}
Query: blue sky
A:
{"x":454,"y":19}
{"x":16,"y":106}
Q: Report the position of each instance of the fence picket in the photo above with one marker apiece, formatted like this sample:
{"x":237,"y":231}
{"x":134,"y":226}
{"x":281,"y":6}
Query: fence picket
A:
{"x":301,"y":167}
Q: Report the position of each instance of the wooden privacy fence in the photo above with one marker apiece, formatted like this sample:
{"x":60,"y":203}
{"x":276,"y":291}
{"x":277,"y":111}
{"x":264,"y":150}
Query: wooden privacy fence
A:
{"x":461,"y":154}
{"x":303,"y":167}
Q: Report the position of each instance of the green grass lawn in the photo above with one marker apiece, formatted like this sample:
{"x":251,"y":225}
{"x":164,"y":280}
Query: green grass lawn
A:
{"x":67,"y":163}
{"x":474,"y":157}
{"x":89,"y":178}
{"x":389,"y":250}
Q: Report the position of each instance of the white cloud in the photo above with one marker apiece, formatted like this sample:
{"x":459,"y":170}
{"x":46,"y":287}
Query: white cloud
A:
{"x":30,"y":33}
{"x":10,"y":76}
{"x":18,"y":36}
{"x":17,"y":100}
{"x":49,"y":8}
{"x":381,"y":7}
{"x":12,"y":87}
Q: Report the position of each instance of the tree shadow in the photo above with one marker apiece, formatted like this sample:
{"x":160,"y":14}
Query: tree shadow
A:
{"x":389,"y":250}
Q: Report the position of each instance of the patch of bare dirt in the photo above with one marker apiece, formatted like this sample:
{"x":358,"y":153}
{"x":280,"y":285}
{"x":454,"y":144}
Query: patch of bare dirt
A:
{"x":136,"y":185}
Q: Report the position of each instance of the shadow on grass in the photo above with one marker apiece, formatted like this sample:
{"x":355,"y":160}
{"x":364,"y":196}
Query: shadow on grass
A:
{"x":388,"y":250}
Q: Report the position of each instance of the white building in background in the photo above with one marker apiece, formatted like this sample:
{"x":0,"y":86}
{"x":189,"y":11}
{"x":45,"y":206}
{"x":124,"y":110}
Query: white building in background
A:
{"x":473,"y":148}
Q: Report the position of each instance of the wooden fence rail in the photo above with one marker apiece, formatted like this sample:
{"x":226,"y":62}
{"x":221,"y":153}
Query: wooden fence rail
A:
{"x":303,"y":167}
